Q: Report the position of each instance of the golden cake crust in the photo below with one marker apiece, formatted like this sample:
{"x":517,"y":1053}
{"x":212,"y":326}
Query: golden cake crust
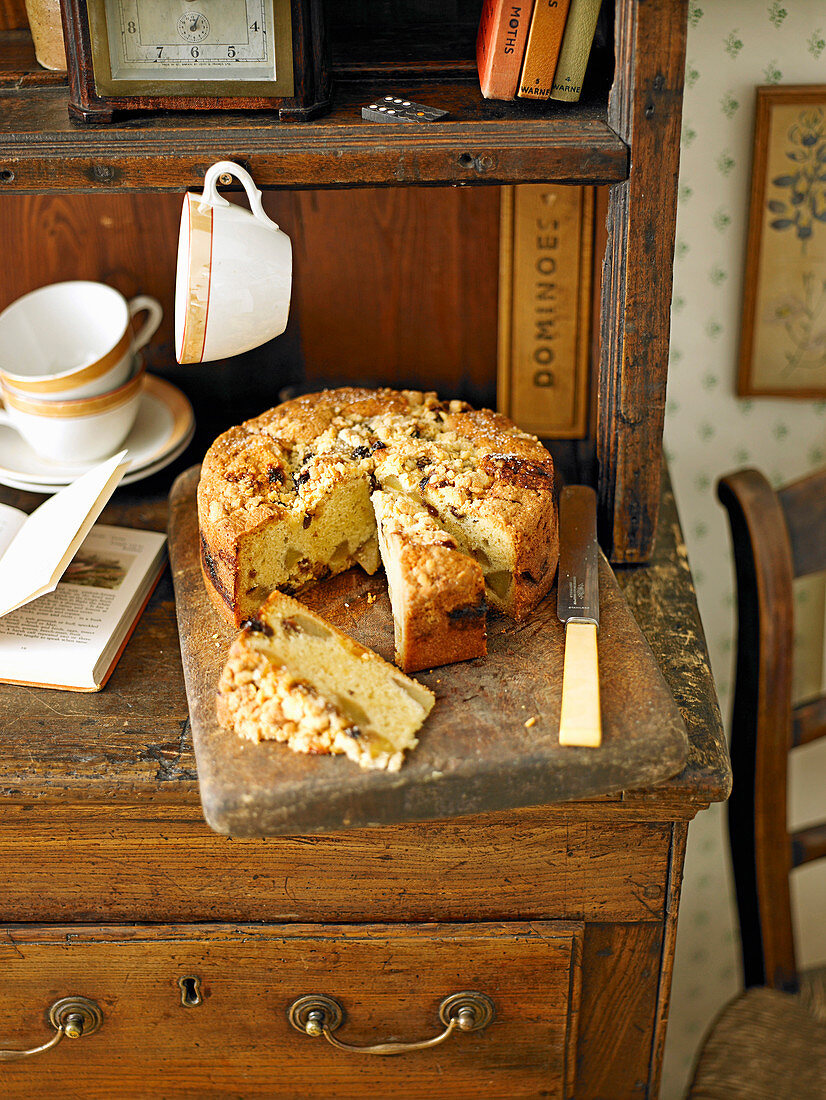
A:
{"x":473,"y":467}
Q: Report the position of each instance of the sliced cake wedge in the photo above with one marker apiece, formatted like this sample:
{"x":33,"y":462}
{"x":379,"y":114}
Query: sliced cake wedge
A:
{"x":291,"y":676}
{"x":436,"y":592}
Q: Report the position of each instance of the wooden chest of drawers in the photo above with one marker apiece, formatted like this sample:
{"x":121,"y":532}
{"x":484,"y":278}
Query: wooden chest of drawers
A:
{"x":156,"y":1040}
{"x":194,"y":946}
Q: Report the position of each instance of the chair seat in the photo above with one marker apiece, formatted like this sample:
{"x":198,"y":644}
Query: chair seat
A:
{"x":766,"y":1045}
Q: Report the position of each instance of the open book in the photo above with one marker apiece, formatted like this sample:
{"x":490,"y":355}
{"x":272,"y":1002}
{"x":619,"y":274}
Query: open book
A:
{"x":71,"y":592}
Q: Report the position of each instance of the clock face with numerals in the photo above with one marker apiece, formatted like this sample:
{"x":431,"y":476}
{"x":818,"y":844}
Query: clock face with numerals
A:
{"x":192,"y":47}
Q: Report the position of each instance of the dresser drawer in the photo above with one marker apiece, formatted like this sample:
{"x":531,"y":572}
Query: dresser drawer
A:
{"x":238,"y":1042}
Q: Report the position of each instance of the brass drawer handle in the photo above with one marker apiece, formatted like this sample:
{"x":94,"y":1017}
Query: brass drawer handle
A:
{"x":73,"y":1017}
{"x":321,"y":1015}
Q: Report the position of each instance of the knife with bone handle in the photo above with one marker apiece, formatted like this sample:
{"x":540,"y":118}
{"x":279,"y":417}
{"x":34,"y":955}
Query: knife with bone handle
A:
{"x":580,"y":721}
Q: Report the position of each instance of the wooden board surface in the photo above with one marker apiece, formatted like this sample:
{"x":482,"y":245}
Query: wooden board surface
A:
{"x":475,"y":753}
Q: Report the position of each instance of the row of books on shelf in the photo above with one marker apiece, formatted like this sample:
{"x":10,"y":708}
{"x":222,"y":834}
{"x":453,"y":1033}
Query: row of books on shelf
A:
{"x":537,"y":49}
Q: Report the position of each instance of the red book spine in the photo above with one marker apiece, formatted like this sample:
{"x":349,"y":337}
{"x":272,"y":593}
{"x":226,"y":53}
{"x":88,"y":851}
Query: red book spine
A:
{"x":500,"y":45}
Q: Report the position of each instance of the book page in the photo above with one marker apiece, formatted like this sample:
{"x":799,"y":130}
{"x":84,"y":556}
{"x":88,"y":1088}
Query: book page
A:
{"x":11,"y":520}
{"x":59,"y":638}
{"x":35,"y":559}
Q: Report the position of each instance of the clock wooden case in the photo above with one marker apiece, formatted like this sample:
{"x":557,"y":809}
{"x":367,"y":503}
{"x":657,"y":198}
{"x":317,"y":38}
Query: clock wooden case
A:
{"x":146,"y":55}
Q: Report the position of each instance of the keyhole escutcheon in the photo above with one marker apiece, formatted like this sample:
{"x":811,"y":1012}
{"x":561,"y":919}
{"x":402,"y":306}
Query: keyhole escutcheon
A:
{"x":190,"y":991}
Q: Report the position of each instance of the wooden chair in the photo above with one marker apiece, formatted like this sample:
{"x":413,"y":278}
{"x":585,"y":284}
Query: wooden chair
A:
{"x":771,"y":1041}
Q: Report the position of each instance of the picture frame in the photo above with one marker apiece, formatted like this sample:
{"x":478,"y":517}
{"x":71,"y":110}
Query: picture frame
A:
{"x":783,"y":335}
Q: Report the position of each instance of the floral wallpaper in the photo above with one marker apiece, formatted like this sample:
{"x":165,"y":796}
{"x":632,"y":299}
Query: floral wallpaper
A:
{"x":732,"y":47}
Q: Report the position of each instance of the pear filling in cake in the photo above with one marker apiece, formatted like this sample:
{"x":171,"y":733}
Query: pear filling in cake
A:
{"x":292,"y":677}
{"x":291,"y":555}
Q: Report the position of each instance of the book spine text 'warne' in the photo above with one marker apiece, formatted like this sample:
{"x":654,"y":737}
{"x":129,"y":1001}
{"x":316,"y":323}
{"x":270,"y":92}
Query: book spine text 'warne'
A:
{"x":576,"y":48}
{"x":500,"y":46}
{"x":542,"y":49}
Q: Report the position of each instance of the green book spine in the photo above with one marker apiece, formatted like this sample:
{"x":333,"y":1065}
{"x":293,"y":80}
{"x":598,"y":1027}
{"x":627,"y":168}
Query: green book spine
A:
{"x":575,"y":50}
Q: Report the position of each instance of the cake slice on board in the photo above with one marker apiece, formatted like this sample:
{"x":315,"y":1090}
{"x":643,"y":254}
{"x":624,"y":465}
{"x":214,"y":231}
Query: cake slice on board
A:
{"x":291,"y":676}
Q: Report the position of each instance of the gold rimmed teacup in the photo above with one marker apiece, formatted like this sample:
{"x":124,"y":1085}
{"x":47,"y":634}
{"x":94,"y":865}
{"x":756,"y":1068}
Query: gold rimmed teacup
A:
{"x":72,"y":340}
{"x":80,"y":430}
{"x":234,"y":273}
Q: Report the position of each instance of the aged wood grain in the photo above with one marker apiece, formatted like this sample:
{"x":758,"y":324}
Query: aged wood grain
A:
{"x":808,"y":844}
{"x":761,"y":728}
{"x":663,"y":599}
{"x":645,"y":109}
{"x":666,"y":969}
{"x":809,"y":721}
{"x":804,"y":511}
{"x":482,"y":141}
{"x":12,"y":14}
{"x":19,"y":67}
{"x":474,"y":753}
{"x":389,"y":979}
{"x":422,"y":310}
{"x":618,"y":1007}
{"x":163,"y":864}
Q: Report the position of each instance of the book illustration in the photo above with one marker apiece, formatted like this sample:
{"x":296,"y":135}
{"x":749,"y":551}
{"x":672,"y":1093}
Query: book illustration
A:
{"x":500,"y":46}
{"x":543,"y":47}
{"x":94,"y":570}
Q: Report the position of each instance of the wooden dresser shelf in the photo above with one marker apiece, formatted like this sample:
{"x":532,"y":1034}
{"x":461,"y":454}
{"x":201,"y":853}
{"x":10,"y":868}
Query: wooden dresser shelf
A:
{"x":479,"y":142}
{"x":114,"y":889}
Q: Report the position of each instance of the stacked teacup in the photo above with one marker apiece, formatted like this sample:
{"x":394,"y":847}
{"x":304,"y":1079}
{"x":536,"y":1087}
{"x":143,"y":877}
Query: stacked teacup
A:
{"x":71,"y":372}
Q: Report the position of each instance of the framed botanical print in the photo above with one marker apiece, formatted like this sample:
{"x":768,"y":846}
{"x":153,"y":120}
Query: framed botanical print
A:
{"x":783,"y":337}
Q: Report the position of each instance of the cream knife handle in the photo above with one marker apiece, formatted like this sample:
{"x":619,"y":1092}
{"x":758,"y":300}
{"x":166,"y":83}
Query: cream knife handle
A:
{"x":580,"y":722}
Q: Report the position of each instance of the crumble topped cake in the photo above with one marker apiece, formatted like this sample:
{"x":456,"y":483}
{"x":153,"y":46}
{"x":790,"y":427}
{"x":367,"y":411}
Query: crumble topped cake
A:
{"x":285,"y":499}
{"x":292,"y":677}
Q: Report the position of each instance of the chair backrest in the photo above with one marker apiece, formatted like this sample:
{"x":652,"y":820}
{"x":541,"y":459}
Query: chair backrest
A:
{"x":776,"y":537}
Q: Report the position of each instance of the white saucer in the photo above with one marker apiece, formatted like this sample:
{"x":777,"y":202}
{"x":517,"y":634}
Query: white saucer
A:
{"x":128,"y":478}
{"x":162,"y":429}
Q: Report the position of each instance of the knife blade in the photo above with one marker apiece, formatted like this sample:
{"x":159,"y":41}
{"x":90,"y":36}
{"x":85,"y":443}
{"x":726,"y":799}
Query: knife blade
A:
{"x":580,"y":720}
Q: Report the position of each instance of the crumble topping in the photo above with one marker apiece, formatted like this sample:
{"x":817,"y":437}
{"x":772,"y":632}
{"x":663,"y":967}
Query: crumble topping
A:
{"x":409,"y":439}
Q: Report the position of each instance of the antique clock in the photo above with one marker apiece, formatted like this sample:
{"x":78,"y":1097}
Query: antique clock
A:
{"x":133,"y":55}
